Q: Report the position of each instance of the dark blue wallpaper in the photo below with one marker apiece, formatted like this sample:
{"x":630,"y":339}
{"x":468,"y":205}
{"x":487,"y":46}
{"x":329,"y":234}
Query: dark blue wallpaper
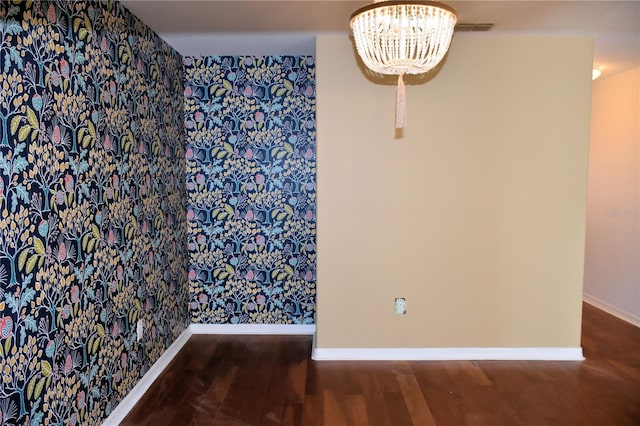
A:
{"x":92,"y":208}
{"x":251,"y":135}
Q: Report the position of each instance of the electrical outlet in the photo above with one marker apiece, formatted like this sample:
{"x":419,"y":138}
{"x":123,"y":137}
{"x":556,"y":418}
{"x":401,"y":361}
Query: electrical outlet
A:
{"x":140,"y":329}
{"x":401,"y":306}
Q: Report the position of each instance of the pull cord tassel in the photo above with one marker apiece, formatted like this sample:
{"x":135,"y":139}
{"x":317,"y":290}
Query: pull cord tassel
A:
{"x":401,"y":104}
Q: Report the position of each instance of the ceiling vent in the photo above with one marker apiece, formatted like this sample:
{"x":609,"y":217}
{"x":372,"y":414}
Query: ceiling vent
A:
{"x":478,"y":27}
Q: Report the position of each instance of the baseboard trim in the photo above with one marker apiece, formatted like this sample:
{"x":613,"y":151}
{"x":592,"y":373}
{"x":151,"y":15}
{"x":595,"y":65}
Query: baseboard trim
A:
{"x":447,"y":354}
{"x":147,"y":380}
{"x":248,"y":329}
{"x":611,"y":309}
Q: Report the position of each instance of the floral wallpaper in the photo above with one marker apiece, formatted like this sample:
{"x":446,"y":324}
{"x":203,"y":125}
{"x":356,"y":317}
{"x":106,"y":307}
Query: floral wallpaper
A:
{"x":251,"y":134}
{"x":92,"y":208}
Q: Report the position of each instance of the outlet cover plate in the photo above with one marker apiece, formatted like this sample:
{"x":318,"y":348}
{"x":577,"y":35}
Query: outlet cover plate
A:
{"x":401,"y":306}
{"x":140,"y":329}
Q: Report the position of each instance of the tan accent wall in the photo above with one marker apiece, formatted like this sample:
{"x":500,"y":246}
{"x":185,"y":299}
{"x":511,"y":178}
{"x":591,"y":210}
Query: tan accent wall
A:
{"x":612,"y":262}
{"x":476,"y":216}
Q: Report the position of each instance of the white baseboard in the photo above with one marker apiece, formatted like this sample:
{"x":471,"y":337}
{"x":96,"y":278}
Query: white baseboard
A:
{"x":313,"y":345}
{"x":147,"y":380}
{"x":611,"y":309}
{"x":447,"y":354}
{"x":281,"y":329}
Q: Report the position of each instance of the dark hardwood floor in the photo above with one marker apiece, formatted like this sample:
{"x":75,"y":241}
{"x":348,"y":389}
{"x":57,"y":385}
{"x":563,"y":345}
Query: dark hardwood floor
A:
{"x":267,"y":380}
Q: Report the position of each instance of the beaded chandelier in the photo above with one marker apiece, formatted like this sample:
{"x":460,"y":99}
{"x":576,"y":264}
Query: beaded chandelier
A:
{"x":402,"y":37}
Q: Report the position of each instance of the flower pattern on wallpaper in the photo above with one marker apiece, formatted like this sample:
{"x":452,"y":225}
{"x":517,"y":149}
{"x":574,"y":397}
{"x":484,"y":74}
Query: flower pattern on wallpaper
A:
{"x":250,"y":128}
{"x":92,"y":208}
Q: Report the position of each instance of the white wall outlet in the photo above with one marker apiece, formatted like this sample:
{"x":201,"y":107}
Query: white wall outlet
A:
{"x":140,"y":329}
{"x":401,"y":306}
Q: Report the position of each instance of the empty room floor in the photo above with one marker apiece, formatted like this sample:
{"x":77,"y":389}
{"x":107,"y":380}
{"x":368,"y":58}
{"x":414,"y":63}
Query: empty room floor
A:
{"x":271,"y":380}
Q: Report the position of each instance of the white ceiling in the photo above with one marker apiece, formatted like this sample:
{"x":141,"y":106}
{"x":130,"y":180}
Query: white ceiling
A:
{"x":263,"y":27}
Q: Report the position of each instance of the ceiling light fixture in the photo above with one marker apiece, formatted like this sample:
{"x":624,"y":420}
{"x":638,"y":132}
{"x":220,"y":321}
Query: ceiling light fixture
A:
{"x":402,"y":37}
{"x":595,"y":73}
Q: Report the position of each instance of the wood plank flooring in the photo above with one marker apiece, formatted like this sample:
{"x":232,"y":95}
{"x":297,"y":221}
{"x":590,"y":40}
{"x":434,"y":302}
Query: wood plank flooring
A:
{"x":271,"y":380}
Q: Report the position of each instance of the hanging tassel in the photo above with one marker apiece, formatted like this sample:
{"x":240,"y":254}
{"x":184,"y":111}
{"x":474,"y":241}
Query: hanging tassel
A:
{"x":401,"y":104}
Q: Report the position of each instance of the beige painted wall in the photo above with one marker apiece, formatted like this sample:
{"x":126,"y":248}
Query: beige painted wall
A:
{"x":612,"y":261}
{"x":477,"y":216}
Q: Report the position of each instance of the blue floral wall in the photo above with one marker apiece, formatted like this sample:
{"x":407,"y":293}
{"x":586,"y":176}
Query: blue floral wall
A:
{"x":251,"y":135}
{"x":92,"y":208}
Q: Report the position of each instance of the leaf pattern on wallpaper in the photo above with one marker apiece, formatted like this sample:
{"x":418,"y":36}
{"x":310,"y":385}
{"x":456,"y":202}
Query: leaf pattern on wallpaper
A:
{"x":92,"y":207}
{"x":251,"y":188}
